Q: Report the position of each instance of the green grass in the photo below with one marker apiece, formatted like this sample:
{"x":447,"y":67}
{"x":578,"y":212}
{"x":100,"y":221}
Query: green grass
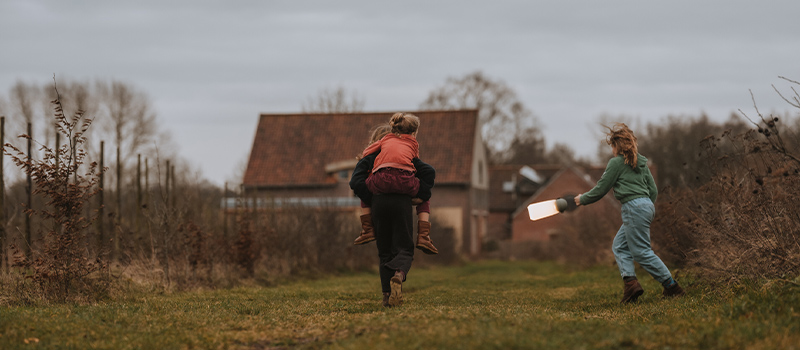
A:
{"x":486,"y":305}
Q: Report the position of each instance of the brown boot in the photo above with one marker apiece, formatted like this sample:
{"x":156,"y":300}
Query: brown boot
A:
{"x":674,"y":291}
{"x":396,"y":285}
{"x":631,"y":292}
{"x":424,"y":242}
{"x":386,"y":300}
{"x":367,"y":233}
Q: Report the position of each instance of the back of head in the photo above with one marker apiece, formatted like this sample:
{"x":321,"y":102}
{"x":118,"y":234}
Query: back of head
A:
{"x":404,"y":123}
{"x":379,"y":132}
{"x":621,"y":137}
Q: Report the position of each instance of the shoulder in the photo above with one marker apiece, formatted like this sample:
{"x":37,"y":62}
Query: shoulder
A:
{"x":407,"y":138}
{"x":368,"y":160}
{"x":616,"y":161}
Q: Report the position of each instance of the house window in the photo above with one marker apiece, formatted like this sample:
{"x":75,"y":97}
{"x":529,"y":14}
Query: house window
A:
{"x":343,"y":175}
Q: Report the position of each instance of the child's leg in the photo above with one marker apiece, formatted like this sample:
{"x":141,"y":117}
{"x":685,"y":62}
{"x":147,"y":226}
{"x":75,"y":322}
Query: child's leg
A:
{"x":424,"y":242}
{"x":636,"y":218}
{"x":367,"y":232}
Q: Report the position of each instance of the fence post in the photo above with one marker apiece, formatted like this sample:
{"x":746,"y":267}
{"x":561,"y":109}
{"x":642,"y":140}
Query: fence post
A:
{"x":118,"y":214}
{"x":58,"y":149}
{"x":3,"y":263}
{"x":101,"y":199}
{"x":146,"y":182}
{"x":166,"y":180}
{"x":29,"y":193}
{"x":174,"y":187}
{"x":225,"y":212}
{"x":138,"y":195}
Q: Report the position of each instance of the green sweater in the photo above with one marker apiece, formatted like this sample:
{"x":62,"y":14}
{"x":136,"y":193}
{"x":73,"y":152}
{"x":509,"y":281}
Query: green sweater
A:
{"x":628,"y":183}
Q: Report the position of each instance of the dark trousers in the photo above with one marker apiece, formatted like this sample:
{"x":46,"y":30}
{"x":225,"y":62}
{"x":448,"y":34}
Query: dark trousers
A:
{"x":394,"y":231}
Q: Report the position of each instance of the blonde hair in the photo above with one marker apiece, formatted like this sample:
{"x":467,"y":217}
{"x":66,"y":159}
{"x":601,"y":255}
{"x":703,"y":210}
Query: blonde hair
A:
{"x":622,"y":138}
{"x":379,"y":132}
{"x":404,"y":123}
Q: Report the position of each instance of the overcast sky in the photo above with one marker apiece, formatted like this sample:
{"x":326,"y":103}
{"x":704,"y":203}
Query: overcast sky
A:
{"x":211,"y":67}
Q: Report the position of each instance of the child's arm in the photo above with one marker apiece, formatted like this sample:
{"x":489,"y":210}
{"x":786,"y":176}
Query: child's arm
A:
{"x":605,"y":183}
{"x":358,"y":182}
{"x":372,"y":148}
{"x":427,"y":176}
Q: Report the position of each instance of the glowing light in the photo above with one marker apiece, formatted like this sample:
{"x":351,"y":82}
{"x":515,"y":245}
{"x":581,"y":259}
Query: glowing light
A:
{"x":541,"y":210}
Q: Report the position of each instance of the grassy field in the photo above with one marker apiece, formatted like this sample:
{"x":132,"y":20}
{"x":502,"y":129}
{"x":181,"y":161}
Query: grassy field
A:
{"x":486,"y":305}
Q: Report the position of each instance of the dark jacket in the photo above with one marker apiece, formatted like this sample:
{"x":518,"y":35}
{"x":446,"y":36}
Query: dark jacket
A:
{"x":358,"y":182}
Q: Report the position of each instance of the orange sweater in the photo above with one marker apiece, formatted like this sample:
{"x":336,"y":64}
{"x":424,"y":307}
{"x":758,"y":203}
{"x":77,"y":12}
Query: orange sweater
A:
{"x":396,"y":152}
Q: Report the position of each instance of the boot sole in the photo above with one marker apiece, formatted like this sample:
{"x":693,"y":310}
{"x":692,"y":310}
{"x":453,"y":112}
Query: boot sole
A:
{"x":634,"y":297}
{"x":364,"y":242}
{"x":396,"y":294}
{"x":427,"y":250}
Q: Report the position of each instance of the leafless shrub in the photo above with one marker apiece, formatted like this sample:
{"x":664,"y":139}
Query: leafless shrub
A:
{"x":62,"y":268}
{"x":585,"y":240}
{"x":744,"y":221}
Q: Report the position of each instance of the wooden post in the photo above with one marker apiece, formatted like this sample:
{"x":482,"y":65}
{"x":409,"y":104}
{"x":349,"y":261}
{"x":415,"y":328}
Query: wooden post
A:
{"x":174,"y":187}
{"x":118,"y":215}
{"x":29,"y":194}
{"x":101,"y":202}
{"x":58,"y":149}
{"x":146,"y":182}
{"x":225,"y":212}
{"x":58,"y":163}
{"x":138,"y":193}
{"x":166,"y":198}
{"x":3,"y":262}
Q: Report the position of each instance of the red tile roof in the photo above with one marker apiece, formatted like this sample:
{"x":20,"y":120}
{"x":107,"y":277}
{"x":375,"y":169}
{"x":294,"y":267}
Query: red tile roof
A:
{"x":292,"y":150}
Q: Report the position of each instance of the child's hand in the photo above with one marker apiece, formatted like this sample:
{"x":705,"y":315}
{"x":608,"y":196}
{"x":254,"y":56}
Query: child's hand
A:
{"x":578,"y":200}
{"x":416,"y":201}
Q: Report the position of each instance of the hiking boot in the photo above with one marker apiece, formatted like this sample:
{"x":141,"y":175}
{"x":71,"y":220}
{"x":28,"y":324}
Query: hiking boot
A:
{"x":631,"y":292}
{"x":367,"y":233}
{"x":424,"y":242}
{"x":673,"y":291}
{"x":396,"y":284}
{"x":386,"y":300}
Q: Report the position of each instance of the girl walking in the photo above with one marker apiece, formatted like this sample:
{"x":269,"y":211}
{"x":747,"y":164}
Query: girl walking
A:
{"x":634,"y":187}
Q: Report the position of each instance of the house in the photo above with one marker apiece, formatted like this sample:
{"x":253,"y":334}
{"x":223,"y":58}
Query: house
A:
{"x":514,"y":187}
{"x":508,"y":190}
{"x":308,"y":159}
{"x":568,"y":181}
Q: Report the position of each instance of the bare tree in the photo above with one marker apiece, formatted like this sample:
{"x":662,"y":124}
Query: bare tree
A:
{"x":334,"y":100}
{"x":503,"y":118}
{"x":23,"y":97}
{"x":126,"y":115}
{"x":22,"y":104}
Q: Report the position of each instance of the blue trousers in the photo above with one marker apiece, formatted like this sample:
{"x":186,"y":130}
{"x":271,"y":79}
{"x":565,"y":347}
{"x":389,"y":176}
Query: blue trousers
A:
{"x":632,"y":242}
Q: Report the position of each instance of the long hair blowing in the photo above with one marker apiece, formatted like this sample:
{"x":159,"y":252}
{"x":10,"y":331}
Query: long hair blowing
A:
{"x":622,"y":138}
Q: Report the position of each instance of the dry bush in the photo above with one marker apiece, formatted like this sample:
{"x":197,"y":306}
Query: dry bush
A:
{"x":61,"y":268}
{"x":745,"y":221}
{"x":585,"y":240}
